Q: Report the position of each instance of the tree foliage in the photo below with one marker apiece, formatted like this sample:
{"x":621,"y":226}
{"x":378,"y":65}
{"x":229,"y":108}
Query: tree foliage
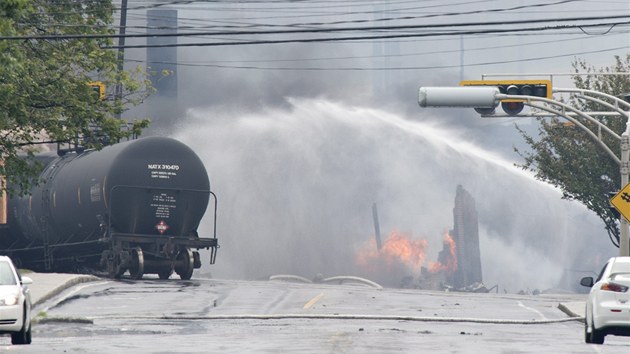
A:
{"x":44,"y":83}
{"x":565,"y":156}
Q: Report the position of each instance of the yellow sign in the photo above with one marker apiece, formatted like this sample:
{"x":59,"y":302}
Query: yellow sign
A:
{"x":621,"y":201}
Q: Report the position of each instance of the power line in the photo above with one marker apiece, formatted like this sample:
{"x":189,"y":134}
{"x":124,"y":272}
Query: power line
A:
{"x":436,"y":15}
{"x":328,"y":30}
{"x":386,"y":19}
{"x":433,"y":67}
{"x":318,"y":5}
{"x":372,"y":37}
{"x":416,"y":54}
{"x":326,"y":14}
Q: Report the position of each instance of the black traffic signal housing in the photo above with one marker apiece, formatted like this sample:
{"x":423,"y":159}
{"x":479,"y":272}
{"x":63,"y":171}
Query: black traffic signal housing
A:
{"x":536,"y":88}
{"x":98,"y":88}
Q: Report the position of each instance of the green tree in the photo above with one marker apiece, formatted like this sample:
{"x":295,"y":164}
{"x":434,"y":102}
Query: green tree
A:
{"x":44,"y":83}
{"x":566,"y":157}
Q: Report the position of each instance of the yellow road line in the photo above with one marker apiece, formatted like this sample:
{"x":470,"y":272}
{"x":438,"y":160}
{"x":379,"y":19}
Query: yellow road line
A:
{"x":313,"y":301}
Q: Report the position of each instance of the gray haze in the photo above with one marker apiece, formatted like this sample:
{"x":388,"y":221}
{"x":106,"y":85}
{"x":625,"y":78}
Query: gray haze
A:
{"x":296,"y":188}
{"x":300,"y":139}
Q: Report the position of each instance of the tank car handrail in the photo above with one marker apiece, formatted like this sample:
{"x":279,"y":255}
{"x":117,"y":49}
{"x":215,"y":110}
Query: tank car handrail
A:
{"x":214,"y":234}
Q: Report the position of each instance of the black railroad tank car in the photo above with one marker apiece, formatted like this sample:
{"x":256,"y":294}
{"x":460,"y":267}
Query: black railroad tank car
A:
{"x":133,"y":206}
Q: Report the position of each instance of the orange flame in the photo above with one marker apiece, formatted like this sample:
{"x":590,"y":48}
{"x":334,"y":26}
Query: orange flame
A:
{"x":448,"y":265}
{"x":398,"y":249}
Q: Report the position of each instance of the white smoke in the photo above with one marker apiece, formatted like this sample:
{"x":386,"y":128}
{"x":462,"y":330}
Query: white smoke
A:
{"x":296,"y":186}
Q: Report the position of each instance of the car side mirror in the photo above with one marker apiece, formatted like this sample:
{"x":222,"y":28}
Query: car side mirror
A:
{"x":27,"y":281}
{"x":587,"y":281}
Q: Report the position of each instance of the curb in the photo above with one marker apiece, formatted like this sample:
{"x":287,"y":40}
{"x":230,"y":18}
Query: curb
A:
{"x":570,"y":313}
{"x":70,"y":283}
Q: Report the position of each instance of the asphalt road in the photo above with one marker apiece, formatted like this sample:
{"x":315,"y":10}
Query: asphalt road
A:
{"x":204,"y":315}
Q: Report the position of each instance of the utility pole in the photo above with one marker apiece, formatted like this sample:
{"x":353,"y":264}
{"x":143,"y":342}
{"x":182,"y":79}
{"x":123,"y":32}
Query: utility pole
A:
{"x":121,"y":50}
{"x":624,"y":247}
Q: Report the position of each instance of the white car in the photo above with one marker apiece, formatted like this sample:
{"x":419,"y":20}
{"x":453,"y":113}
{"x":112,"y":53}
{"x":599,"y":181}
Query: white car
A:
{"x":608,"y":303}
{"x":15,"y":303}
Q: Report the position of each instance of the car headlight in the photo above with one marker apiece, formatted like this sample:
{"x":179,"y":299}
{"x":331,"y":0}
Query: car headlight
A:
{"x":9,"y":300}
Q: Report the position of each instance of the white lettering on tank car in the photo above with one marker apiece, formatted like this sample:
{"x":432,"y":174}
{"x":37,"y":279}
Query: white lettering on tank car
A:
{"x":162,"y":171}
{"x":162,"y":205}
{"x":158,"y":166}
{"x":95,"y":192}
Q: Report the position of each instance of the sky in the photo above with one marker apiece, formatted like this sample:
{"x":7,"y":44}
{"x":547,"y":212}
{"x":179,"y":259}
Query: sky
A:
{"x":379,"y":72}
{"x":300,"y":137}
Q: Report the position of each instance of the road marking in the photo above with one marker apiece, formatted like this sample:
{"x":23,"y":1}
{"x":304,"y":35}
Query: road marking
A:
{"x":312,"y":301}
{"x":532,"y":310}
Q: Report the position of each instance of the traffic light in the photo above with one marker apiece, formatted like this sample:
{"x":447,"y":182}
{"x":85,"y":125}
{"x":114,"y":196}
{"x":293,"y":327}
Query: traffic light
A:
{"x":512,"y":107}
{"x":536,"y":88}
{"x":99,"y":89}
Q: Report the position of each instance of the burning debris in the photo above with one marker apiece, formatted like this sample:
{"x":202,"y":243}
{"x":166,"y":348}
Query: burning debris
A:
{"x":458,"y":266}
{"x":439,"y":275}
{"x":401,"y":254}
{"x":398,"y":251}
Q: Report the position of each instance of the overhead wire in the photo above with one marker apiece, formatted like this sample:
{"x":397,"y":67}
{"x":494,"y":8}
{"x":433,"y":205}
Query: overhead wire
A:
{"x":405,"y":18}
{"x":365,"y":37}
{"x":344,"y":29}
{"x":413,"y":54}
{"x":382,"y":32}
{"x":400,"y":68}
{"x":318,"y":4}
{"x":388,"y":10}
{"x":382,"y":19}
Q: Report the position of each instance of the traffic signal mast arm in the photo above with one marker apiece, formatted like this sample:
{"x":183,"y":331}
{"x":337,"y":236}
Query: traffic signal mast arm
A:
{"x":484,"y":102}
{"x":514,"y":94}
{"x":587,"y":95}
{"x":564,"y":114}
{"x":485,"y":97}
{"x":528,"y":100}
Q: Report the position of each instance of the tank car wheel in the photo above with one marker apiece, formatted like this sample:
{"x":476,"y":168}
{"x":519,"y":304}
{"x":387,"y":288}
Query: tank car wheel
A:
{"x":165,"y":273}
{"x":136,"y":268}
{"x":185,"y":264}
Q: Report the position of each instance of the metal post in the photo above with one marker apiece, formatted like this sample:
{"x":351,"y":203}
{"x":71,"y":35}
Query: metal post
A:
{"x":121,"y":50}
{"x":377,"y":228}
{"x":624,"y":250}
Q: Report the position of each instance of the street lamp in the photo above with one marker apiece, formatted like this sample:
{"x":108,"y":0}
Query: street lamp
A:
{"x":465,"y":96}
{"x":475,"y":97}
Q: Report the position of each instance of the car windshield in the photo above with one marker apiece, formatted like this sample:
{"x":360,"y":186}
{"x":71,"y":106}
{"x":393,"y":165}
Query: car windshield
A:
{"x":6,"y":274}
